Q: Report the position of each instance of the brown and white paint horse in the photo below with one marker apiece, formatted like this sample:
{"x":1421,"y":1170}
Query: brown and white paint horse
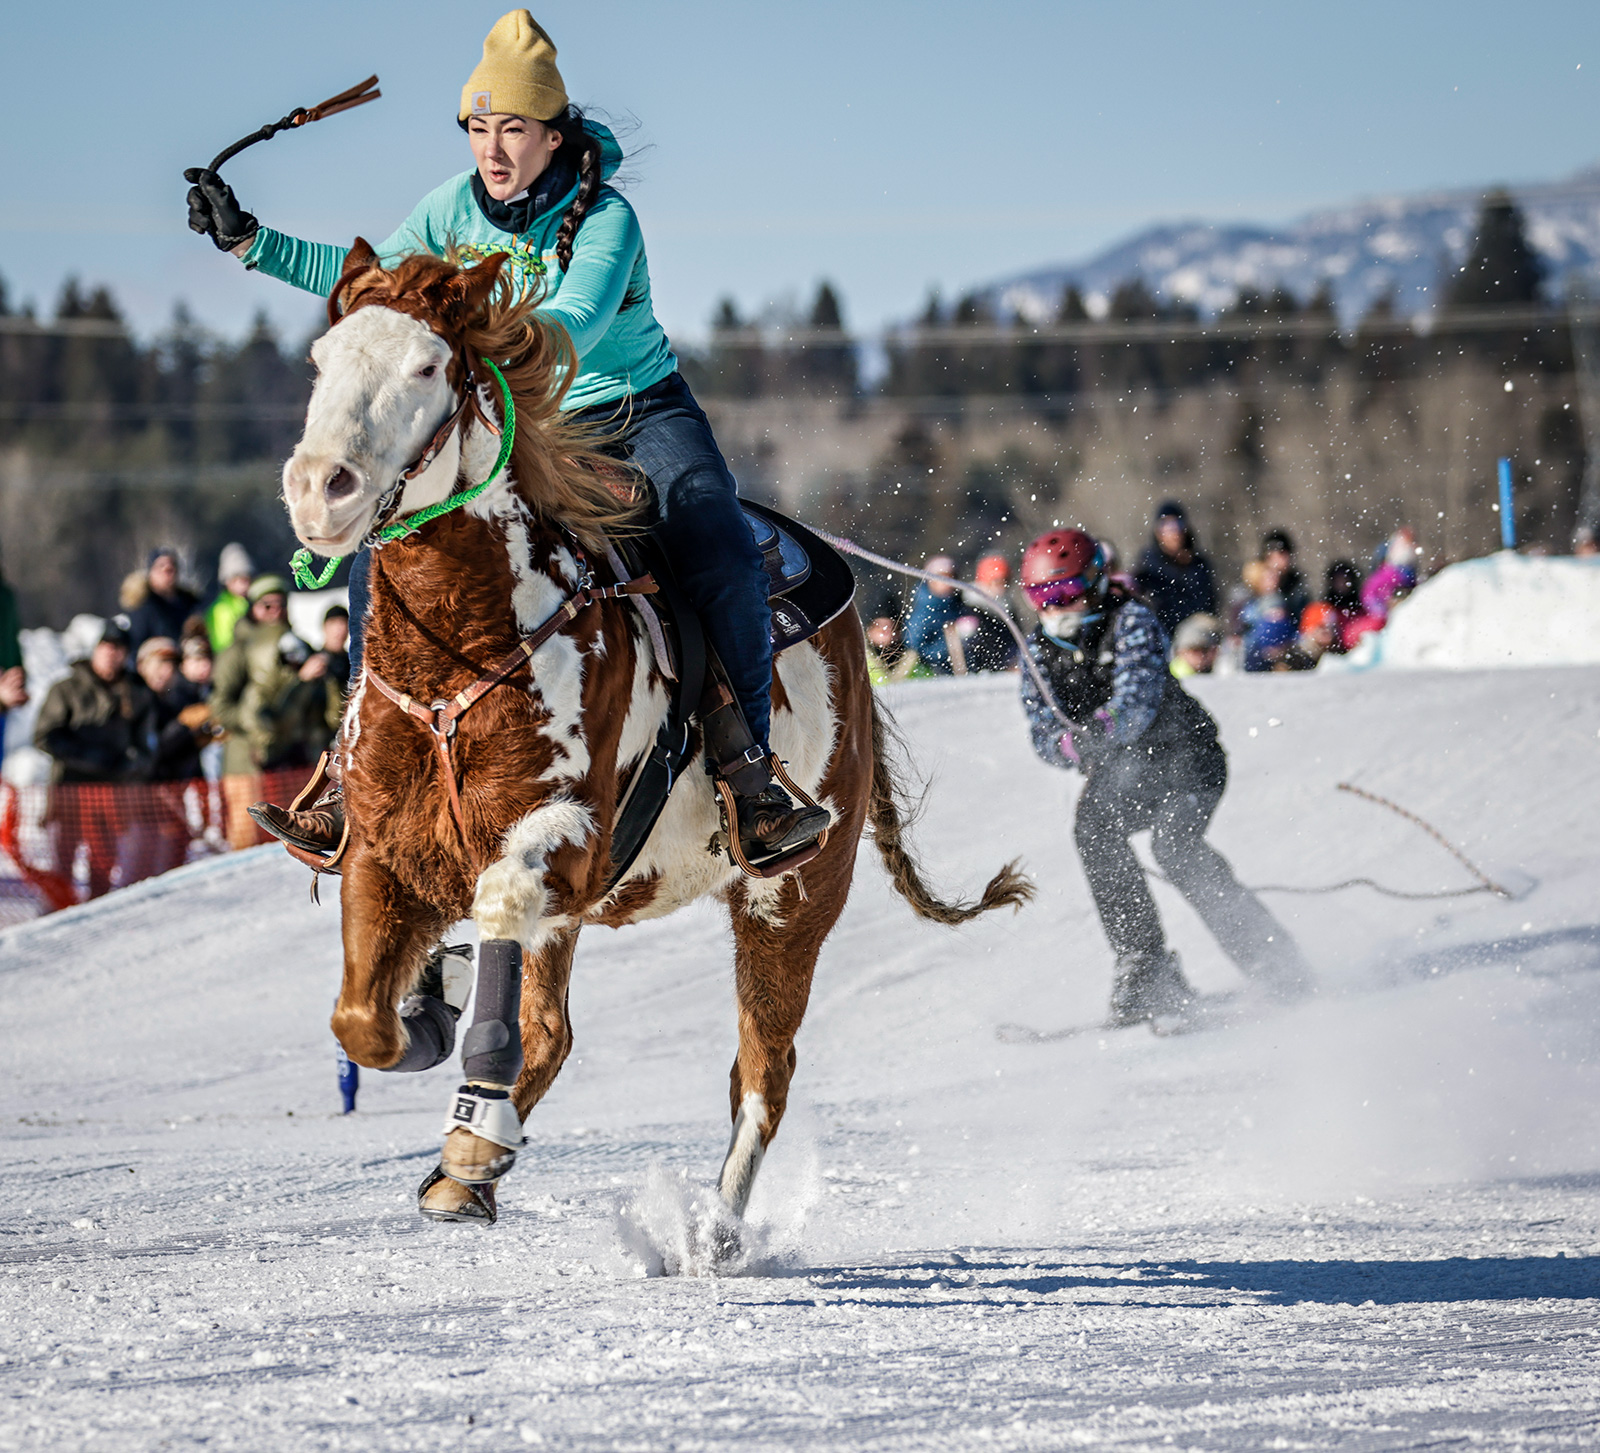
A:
{"x":542,"y":758}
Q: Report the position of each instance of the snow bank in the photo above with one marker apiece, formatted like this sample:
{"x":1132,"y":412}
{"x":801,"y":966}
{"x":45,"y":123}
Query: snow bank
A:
{"x":1503,"y":610}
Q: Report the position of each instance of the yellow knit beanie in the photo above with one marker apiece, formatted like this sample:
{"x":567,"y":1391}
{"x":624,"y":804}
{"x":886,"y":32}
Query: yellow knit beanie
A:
{"x":517,"y":75}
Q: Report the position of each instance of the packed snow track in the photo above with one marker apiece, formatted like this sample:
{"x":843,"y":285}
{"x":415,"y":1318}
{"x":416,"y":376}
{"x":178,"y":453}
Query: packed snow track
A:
{"x":1366,"y":1222}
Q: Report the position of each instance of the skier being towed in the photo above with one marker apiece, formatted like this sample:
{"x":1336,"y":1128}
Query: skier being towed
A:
{"x":1153,"y":761}
{"x":538,"y":194}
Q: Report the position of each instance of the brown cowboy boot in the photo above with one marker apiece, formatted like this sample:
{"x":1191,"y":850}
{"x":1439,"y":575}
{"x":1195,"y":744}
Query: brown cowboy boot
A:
{"x":317,"y":829}
{"x":770,"y":823}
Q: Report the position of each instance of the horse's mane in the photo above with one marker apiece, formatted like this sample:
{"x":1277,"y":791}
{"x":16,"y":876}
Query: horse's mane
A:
{"x":556,"y":466}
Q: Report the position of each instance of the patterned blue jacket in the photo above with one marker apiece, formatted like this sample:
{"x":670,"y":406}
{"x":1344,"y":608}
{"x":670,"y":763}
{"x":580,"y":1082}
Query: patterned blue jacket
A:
{"x":1112,"y":688}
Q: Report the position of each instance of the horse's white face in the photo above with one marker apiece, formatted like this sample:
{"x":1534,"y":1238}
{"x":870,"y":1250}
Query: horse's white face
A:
{"x":381,"y":393}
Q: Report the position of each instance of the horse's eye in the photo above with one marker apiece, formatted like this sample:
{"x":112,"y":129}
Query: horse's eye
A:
{"x":429,"y":371}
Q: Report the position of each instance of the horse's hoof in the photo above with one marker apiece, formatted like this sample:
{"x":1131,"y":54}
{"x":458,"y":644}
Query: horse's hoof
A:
{"x":473,"y":1160}
{"x":727,"y":1244}
{"x":440,"y":1198}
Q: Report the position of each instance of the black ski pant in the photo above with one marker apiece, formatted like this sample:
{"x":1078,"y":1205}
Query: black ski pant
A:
{"x":1172,"y":792}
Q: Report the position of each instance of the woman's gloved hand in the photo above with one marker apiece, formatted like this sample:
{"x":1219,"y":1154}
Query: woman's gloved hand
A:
{"x":215,"y":212}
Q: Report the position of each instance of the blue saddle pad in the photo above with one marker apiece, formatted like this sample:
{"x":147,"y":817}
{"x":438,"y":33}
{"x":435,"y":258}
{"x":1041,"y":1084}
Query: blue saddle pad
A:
{"x":808,"y":580}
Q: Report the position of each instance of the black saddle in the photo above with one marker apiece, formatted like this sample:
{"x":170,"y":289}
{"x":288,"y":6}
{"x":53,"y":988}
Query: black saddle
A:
{"x":809,"y":582}
{"x":808,"y":585}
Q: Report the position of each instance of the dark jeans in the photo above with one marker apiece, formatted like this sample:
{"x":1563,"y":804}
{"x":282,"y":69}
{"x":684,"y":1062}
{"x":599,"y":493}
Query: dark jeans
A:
{"x":1174,"y":794}
{"x":663,"y":432}
{"x":697,"y":519}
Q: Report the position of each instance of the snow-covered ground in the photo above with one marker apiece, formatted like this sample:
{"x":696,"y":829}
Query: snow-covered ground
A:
{"x":1369,"y":1222}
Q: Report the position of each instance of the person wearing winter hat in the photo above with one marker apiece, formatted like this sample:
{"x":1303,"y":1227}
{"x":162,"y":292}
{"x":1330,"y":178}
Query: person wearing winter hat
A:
{"x":235,"y":570}
{"x":1195,"y":645}
{"x":1152,"y":761}
{"x":1277,"y":554}
{"x":985,"y":641}
{"x":270,"y":693}
{"x":1395,"y":578}
{"x":935,"y":609}
{"x":166,"y":606}
{"x":1319,"y":633}
{"x":98,"y":725}
{"x":1172,"y":574}
{"x":538,"y":193}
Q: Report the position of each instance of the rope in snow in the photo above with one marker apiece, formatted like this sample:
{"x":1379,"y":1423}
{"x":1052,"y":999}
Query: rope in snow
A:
{"x":966,"y":588}
{"x":1485,"y":883}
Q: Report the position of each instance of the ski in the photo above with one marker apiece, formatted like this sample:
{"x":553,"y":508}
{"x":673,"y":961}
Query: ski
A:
{"x":1206,"y":1012}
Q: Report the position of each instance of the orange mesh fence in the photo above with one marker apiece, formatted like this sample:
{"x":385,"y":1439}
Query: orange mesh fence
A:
{"x":64,"y":844}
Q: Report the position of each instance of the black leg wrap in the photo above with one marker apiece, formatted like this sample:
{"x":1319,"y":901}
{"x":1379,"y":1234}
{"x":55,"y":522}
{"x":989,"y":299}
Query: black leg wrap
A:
{"x":492,"y":1049}
{"x":430,"y":1033}
{"x":730,"y":748}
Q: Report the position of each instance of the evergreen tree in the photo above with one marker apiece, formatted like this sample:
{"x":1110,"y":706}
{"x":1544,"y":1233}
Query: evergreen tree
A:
{"x":1133,"y":302}
{"x":825,"y":311}
{"x":736,"y":362}
{"x":827,"y":366}
{"x":1502,"y":270}
{"x":1072,"y":309}
{"x":255,"y":398}
{"x":971,"y":311}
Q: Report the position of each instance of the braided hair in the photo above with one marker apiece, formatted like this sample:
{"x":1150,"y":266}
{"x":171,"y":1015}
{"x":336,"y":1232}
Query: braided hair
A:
{"x":583,"y":150}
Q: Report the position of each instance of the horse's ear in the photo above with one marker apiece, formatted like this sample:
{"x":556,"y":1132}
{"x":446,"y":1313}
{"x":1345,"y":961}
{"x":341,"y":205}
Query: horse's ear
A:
{"x":472,"y":287}
{"x":359,"y":259}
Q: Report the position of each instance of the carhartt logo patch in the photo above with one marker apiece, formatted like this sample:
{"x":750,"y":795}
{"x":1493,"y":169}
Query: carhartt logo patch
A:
{"x":480,"y":103}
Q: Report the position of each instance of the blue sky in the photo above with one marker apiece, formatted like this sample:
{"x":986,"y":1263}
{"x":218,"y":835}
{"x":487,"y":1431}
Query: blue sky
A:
{"x":887,"y":146}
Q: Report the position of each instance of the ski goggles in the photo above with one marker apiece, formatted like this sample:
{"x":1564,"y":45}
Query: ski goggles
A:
{"x":1062,"y":591}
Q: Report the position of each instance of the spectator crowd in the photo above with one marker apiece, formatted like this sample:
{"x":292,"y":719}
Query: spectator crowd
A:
{"x":178,"y":694}
{"x":1270,"y":620}
{"x":167,"y":731}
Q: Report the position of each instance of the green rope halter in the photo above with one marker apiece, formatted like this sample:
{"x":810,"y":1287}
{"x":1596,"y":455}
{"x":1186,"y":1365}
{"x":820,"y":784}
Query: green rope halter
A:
{"x":301,"y":561}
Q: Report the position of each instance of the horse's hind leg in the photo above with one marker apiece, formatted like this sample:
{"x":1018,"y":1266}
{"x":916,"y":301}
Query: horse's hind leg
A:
{"x":774,"y":958}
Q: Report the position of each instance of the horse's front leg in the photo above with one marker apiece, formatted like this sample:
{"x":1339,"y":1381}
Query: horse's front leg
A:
{"x":387,"y":933}
{"x":523,"y":968}
{"x":546,"y":1042}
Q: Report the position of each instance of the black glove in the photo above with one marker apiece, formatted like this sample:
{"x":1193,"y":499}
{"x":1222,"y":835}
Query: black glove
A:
{"x":215,"y":211}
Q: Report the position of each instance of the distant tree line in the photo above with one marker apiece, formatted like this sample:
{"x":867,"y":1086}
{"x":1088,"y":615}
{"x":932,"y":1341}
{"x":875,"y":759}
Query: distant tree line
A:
{"x":81,"y":387}
{"x":108,"y":446}
{"x":1143,"y":342}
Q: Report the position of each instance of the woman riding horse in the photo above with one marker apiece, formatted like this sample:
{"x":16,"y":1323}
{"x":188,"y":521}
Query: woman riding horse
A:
{"x":538,"y":194}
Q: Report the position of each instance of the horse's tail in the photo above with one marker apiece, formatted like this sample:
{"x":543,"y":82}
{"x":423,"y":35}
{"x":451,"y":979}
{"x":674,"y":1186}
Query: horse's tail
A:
{"x":891,"y":810}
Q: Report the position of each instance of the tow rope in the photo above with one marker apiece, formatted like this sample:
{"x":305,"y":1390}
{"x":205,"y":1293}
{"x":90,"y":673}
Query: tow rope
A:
{"x":1486,"y":884}
{"x":849,"y":547}
{"x":301,"y":560}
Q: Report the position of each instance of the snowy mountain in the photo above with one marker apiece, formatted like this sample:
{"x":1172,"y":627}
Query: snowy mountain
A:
{"x":1371,"y":1221}
{"x":1396,"y":244}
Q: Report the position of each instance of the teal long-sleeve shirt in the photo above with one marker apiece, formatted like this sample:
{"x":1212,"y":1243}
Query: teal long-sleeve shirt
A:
{"x":621,"y":351}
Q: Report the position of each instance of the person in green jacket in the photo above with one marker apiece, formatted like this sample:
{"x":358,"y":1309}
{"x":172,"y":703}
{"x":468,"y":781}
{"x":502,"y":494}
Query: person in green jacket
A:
{"x":539,"y":194}
{"x":274,"y":697}
{"x":235,"y":571}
